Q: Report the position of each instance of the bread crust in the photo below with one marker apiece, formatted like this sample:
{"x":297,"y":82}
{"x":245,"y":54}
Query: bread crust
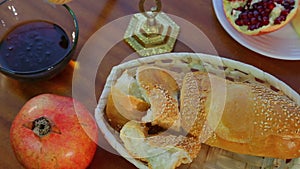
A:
{"x":161,"y":91}
{"x":256,"y":120}
{"x":159,"y":151}
{"x":248,"y":118}
{"x":121,"y":106}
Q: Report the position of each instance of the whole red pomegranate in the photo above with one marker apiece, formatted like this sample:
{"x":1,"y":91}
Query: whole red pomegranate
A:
{"x":52,"y":131}
{"x":256,"y":17}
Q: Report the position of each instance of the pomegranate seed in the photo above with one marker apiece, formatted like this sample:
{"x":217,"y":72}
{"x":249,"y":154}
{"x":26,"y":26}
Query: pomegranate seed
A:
{"x":259,"y":18}
{"x":282,"y":18}
{"x":265,"y":20}
{"x":255,"y":13}
{"x":244,"y":15}
{"x":264,"y":13}
{"x":255,"y":5}
{"x":239,"y":22}
{"x":260,"y":8}
{"x":277,"y":21}
{"x":286,"y":5}
{"x":291,"y":2}
{"x":253,"y":20}
{"x":246,"y":21}
{"x":265,"y":4}
{"x":250,"y":14}
{"x":252,"y":27}
{"x":271,"y":5}
{"x":259,"y":24}
{"x":285,"y":12}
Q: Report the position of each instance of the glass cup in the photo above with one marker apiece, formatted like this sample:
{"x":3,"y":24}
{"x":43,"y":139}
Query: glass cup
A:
{"x":38,"y":38}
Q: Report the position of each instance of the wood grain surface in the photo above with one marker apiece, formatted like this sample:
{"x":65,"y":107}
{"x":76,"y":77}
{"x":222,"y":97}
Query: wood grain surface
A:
{"x":95,"y":14}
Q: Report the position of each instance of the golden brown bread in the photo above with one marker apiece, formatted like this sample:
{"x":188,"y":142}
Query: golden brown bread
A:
{"x":158,"y":85}
{"x":242,"y":117}
{"x":192,"y":108}
{"x":255,"y":119}
{"x":121,"y":105}
{"x":161,"y":91}
{"x":114,"y":117}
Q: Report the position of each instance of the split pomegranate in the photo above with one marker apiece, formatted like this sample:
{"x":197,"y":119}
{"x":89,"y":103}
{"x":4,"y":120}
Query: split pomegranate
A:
{"x":255,"y":17}
{"x":54,"y":132}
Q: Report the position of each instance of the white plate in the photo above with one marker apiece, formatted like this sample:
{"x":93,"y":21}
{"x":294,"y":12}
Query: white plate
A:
{"x":281,"y":44}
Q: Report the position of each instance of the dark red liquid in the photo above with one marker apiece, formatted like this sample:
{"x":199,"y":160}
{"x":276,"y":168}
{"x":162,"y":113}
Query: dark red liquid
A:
{"x":33,"y":46}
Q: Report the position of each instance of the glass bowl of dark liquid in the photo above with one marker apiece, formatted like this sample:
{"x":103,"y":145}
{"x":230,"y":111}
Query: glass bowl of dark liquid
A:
{"x":37,"y":38}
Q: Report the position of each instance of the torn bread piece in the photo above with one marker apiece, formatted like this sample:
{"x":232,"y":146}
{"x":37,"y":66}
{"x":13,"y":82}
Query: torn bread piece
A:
{"x":124,"y":102}
{"x":161,"y":91}
{"x":159,"y":152}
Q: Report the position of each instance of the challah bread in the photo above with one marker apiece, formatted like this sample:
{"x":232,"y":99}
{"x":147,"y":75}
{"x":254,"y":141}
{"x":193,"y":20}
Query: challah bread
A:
{"x":255,"y":119}
{"x":243,"y":117}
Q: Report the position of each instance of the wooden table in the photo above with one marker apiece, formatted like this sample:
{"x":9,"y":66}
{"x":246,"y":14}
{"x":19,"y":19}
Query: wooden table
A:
{"x":93,"y":15}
